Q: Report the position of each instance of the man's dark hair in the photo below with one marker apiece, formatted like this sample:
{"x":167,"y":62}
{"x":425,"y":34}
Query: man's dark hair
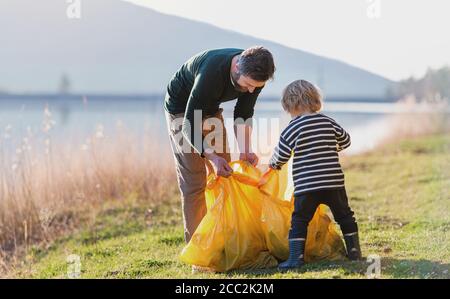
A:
{"x":257,"y":63}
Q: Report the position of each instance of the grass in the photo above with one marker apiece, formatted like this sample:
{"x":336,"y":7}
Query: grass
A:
{"x":400,"y":194}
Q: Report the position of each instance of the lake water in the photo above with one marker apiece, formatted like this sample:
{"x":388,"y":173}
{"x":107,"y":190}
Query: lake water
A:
{"x":75,"y":118}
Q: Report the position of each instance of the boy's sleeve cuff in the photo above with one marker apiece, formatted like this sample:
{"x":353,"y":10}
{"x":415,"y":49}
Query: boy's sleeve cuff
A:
{"x":274,"y":166}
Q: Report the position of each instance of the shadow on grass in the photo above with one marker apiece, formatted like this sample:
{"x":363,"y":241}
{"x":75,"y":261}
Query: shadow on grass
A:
{"x":348,"y":266}
{"x":140,"y":269}
{"x":406,"y":268}
{"x":390,"y":268}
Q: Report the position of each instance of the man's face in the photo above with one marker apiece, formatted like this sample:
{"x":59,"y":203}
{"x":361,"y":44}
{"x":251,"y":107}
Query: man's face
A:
{"x":244,"y":83}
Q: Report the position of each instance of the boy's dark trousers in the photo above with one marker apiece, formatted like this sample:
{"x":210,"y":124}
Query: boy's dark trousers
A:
{"x":305,"y":206}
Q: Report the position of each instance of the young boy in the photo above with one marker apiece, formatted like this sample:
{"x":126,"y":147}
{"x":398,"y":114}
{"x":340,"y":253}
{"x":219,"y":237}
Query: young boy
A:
{"x":314,"y":140}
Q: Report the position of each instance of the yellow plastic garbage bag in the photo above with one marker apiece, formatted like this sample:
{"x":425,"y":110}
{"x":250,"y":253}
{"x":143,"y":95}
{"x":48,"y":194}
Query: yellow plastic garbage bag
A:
{"x":247,"y":223}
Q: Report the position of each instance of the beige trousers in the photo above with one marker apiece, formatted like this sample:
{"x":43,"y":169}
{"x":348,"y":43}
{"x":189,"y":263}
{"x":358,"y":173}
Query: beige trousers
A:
{"x":192,"y":169}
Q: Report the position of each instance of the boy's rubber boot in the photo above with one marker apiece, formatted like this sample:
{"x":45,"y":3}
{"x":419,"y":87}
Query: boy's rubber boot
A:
{"x":352,"y":245}
{"x":296,"y":255}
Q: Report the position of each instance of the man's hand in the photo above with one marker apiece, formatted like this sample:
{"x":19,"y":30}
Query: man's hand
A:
{"x":252,"y":158}
{"x":243,"y":134}
{"x":220,"y":165}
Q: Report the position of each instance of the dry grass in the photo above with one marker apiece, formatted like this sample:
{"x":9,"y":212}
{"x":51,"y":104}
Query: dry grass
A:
{"x":419,"y":118}
{"x":48,"y":189}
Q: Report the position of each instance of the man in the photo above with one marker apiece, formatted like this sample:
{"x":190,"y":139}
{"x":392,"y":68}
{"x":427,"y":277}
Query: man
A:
{"x":192,"y":101}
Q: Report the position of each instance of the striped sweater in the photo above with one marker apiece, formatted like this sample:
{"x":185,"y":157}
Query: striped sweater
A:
{"x":314,"y":140}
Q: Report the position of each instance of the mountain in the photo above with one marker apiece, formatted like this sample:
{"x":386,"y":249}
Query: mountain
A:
{"x":119,"y":47}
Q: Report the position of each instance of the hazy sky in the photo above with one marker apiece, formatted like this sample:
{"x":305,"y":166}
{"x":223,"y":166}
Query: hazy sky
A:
{"x":393,"y":38}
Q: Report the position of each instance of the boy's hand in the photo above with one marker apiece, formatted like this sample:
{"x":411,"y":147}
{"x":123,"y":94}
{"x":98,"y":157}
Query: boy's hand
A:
{"x":265,"y":177}
{"x":274,"y":167}
{"x":252,"y":158}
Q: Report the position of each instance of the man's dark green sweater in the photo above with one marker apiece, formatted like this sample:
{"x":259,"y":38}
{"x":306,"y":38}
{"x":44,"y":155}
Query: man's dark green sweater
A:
{"x":201,"y":84}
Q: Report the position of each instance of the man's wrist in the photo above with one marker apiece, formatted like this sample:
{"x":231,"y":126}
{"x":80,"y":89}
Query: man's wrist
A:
{"x":209,"y":153}
{"x":249,"y":151}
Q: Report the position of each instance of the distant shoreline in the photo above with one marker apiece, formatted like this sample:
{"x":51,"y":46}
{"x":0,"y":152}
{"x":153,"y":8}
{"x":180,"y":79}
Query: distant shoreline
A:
{"x":153,"y":97}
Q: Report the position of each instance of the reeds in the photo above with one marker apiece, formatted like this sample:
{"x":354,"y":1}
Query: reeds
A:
{"x":47,"y":184}
{"x":418,"y":118}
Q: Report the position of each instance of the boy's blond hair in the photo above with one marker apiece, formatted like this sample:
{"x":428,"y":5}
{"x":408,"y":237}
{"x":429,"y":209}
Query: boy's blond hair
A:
{"x":303,"y":95}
